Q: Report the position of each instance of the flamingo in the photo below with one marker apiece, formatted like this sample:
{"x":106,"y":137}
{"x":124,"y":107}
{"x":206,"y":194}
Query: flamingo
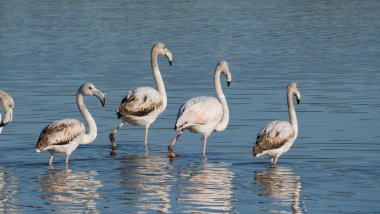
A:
{"x":278,"y":136}
{"x":204,"y":114}
{"x":8,"y":105}
{"x":141,"y":106}
{"x":65,"y":135}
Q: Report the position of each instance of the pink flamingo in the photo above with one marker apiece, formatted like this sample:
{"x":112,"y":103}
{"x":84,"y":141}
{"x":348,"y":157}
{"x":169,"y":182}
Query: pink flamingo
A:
{"x":204,"y":114}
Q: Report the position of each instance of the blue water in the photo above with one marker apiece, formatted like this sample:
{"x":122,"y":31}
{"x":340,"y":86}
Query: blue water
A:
{"x":330,"y":48}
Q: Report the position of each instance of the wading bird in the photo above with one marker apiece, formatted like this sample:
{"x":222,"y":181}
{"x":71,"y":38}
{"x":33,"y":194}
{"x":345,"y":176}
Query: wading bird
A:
{"x":141,"y":106}
{"x":204,"y":114}
{"x":65,"y":135}
{"x":278,"y":136}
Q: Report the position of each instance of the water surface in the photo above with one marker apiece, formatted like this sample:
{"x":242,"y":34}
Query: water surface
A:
{"x":330,"y":48}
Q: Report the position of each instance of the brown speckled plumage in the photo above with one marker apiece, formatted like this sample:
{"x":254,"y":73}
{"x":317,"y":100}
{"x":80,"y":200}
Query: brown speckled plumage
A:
{"x":266,"y":142}
{"x":131,"y":105}
{"x":60,"y":132}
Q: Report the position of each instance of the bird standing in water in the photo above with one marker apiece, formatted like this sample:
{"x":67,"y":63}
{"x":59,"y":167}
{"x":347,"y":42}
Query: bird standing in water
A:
{"x":205,"y":114}
{"x":141,"y":106}
{"x":278,"y":136}
{"x":65,"y":135}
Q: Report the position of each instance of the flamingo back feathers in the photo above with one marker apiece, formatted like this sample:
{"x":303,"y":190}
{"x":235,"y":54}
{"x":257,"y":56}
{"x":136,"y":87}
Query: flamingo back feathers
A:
{"x":59,"y":132}
{"x":273,"y":136}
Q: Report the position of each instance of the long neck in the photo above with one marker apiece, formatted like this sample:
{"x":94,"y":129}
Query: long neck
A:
{"x":92,"y":129}
{"x":219,"y":92}
{"x":292,"y":113}
{"x":158,"y":77}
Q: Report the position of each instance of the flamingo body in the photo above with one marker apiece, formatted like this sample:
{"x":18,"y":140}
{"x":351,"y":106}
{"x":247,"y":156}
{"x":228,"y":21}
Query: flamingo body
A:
{"x":141,"y":106}
{"x":274,"y":139}
{"x":200,"y":115}
{"x":61,"y":136}
{"x":8,"y":104}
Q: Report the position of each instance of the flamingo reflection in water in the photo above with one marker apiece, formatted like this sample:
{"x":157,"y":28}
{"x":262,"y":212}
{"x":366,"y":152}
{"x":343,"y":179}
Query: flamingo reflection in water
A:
{"x":8,"y":190}
{"x":70,"y":192}
{"x":206,"y":190}
{"x":281,"y":185}
{"x":147,"y":180}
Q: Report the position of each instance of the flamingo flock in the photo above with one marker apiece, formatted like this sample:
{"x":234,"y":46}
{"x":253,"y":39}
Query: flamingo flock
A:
{"x":142,"y":106}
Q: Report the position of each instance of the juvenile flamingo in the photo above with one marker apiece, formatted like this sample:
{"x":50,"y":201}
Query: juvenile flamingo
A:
{"x":141,"y":106}
{"x":8,"y":105}
{"x":278,"y":136}
{"x":204,"y":114}
{"x":65,"y":135}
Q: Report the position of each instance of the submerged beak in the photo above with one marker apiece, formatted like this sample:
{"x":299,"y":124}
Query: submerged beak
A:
{"x":228,"y":83}
{"x":8,"y":118}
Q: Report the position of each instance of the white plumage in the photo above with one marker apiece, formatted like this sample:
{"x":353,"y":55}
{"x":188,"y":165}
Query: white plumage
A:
{"x":65,"y":135}
{"x":204,"y":114}
{"x":141,"y":106}
{"x":200,"y":115}
{"x":277,"y":137}
{"x":8,"y":105}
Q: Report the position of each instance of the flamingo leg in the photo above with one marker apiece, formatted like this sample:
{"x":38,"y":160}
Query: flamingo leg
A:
{"x":51,"y":158}
{"x":204,"y":147}
{"x":275,"y":160}
{"x":112,"y":134}
{"x":146,"y":135}
{"x":170,"y":147}
{"x":67,"y":160}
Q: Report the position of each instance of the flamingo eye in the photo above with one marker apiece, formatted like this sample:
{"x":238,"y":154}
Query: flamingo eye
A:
{"x":90,"y":88}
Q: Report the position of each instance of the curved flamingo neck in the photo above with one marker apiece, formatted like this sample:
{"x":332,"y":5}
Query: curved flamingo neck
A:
{"x":219,"y":92}
{"x":158,"y":77}
{"x":292,"y":112}
{"x":92,"y":129}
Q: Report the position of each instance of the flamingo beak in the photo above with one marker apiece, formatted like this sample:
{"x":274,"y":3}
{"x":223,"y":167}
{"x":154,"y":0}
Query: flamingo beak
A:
{"x":8,"y":118}
{"x":101,"y":96}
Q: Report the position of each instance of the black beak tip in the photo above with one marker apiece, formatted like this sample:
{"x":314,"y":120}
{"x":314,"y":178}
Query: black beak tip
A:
{"x":170,"y":63}
{"x":298,"y":101}
{"x":103,"y":102}
{"x":228,"y":83}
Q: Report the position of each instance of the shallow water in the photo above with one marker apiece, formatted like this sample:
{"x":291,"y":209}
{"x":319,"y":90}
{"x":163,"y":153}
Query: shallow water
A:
{"x":330,"y":48}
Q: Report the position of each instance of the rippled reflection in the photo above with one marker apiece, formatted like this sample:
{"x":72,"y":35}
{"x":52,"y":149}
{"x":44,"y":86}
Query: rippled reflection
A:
{"x":8,"y":189}
{"x":280,"y":184}
{"x":70,"y":191}
{"x":148,"y":182}
{"x":206,"y":190}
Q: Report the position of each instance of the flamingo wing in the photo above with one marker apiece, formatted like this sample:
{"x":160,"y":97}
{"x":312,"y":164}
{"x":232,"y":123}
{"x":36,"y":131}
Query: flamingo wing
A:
{"x":59,"y":132}
{"x":199,"y":110}
{"x":140,"y":102}
{"x":273,"y":136}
